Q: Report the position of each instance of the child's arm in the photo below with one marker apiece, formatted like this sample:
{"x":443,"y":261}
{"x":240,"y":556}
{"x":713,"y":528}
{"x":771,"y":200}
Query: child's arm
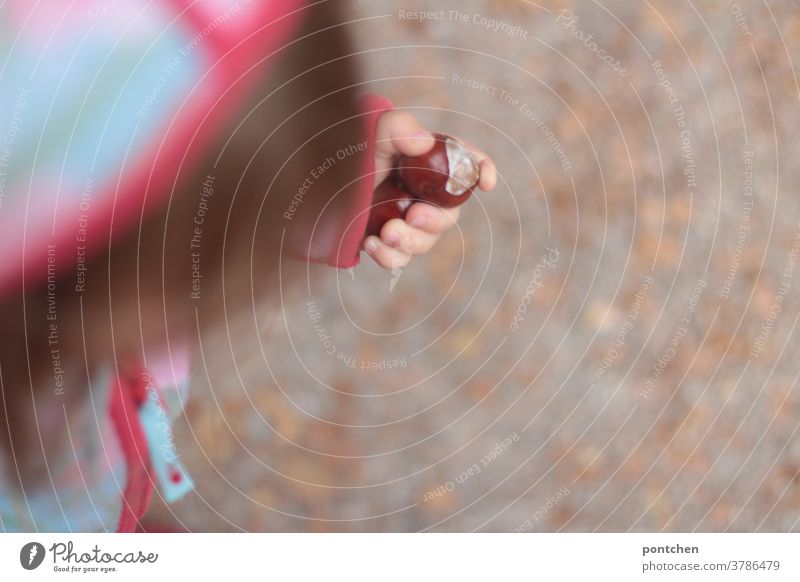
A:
{"x":398,"y":132}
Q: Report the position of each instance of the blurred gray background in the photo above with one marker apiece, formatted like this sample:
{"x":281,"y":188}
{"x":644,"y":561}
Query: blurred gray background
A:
{"x":608,"y":342}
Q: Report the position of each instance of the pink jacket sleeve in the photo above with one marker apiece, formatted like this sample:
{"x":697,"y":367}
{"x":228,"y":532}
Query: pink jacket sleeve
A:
{"x":336,"y":237}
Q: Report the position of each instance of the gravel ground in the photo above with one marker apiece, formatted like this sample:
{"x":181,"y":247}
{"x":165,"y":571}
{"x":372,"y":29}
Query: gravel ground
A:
{"x":608,"y":341}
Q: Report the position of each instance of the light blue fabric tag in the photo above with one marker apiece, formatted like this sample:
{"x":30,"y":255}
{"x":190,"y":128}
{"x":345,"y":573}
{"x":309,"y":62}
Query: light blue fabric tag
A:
{"x":173,"y":479}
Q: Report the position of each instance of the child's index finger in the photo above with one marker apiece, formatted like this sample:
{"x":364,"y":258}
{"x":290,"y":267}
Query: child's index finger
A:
{"x":488,"y":175}
{"x":399,"y":133}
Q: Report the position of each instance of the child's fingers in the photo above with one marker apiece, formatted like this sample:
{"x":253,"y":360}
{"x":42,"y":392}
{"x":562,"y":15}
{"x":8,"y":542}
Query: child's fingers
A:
{"x":399,"y":132}
{"x":384,"y":255}
{"x":398,"y":234}
{"x":488,"y":179}
{"x":432,"y":219}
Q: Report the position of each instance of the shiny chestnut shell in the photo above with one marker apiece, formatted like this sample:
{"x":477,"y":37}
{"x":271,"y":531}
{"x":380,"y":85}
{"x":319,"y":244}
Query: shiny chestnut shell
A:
{"x":445,"y":176}
{"x":390,"y":200}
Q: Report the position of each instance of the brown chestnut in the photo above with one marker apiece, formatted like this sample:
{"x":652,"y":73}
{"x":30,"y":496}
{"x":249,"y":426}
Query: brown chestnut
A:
{"x":389,"y":201}
{"x":445,"y":176}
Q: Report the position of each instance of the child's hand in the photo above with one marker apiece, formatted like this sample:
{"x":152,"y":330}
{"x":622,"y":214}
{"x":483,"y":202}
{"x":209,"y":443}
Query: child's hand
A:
{"x":399,"y":133}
